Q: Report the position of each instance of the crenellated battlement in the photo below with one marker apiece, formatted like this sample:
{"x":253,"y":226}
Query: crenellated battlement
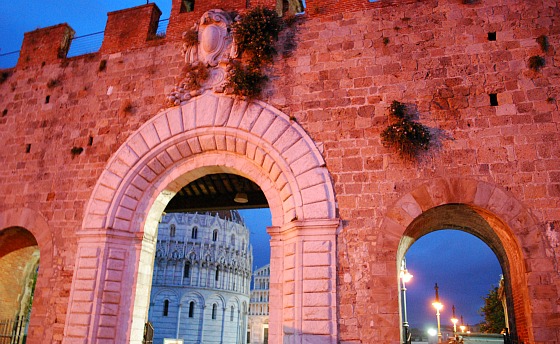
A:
{"x":46,"y":45}
{"x":136,"y":27}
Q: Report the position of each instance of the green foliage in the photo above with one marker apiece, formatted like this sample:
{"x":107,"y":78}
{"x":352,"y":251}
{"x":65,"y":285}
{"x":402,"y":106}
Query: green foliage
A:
{"x":246,"y":81}
{"x":536,"y":62}
{"x":405,"y":135}
{"x":493,"y":312}
{"x":256,"y":32}
{"x":30,"y":301}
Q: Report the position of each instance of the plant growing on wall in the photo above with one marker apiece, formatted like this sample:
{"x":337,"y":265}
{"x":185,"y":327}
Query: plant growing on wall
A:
{"x":255,"y":35}
{"x":404,"y":134}
{"x":256,"y":32}
{"x":246,"y":81}
{"x":536,"y":62}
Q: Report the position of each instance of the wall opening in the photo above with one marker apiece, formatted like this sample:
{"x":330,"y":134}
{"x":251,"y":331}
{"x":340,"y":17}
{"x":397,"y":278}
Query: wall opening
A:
{"x":205,"y":279}
{"x":490,"y":230}
{"x":464,"y":268}
{"x":19,"y":266}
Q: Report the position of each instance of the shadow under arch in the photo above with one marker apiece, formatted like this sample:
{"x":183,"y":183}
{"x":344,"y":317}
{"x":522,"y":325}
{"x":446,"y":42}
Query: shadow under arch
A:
{"x":21,"y":228}
{"x":501,"y":242}
{"x":209,"y":134}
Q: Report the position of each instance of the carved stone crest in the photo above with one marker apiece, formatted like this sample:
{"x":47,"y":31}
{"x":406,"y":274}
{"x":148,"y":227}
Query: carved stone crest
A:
{"x":209,"y":46}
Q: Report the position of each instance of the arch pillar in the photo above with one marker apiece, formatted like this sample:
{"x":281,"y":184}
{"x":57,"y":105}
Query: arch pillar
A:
{"x":302,"y":289}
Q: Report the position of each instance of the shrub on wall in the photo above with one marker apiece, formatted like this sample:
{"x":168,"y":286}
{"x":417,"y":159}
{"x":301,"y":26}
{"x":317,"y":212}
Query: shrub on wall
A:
{"x":256,"y":32}
{"x":536,"y":63}
{"x":246,"y":81}
{"x":405,"y":135}
{"x":255,"y":35}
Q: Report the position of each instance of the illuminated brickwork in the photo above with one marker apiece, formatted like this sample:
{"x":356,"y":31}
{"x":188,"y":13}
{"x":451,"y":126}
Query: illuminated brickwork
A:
{"x":344,"y":207}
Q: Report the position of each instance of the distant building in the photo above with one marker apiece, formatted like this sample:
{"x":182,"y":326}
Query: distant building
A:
{"x":258,"y":307}
{"x":201,"y":279}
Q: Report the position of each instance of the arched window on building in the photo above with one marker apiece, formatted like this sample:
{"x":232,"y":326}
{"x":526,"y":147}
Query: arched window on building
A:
{"x":217,"y":273}
{"x":233,"y":240}
{"x":214,"y":311}
{"x":187,"y":270}
{"x":191,"y":309}
{"x":172,"y":230}
{"x":165,"y":308}
{"x":215,"y":235}
{"x":194,"y":233}
{"x":231,"y":314}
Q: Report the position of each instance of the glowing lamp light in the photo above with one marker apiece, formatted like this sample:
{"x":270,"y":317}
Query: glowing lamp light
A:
{"x":454,"y":320}
{"x":432,"y":332}
{"x":406,"y":276}
{"x":462,"y":326}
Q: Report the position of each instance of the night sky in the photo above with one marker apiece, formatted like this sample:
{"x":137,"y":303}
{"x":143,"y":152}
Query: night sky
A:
{"x":85,"y":17}
{"x":462,"y":265}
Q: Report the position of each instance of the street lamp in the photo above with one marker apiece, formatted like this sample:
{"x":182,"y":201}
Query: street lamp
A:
{"x":454,"y":320}
{"x":405,"y":277}
{"x":438,"y":306}
{"x":462,"y":326}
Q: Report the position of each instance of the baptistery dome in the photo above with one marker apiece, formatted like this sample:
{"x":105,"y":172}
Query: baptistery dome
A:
{"x":201,"y":280}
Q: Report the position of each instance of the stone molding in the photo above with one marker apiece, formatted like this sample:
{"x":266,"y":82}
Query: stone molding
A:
{"x":209,"y":134}
{"x":256,"y":131}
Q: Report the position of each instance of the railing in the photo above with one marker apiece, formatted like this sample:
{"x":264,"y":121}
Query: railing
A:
{"x":85,"y":44}
{"x":13,"y":331}
{"x":80,"y":45}
{"x":8,"y":60}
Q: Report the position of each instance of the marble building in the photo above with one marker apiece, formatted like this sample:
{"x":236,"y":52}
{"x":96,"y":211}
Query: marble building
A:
{"x":201,"y":280}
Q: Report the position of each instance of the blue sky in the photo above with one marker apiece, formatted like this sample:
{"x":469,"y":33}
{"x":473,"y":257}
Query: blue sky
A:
{"x":463,"y":266}
{"x":85,"y":17}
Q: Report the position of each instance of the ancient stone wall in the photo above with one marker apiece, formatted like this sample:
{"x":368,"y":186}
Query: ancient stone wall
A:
{"x":464,"y":67}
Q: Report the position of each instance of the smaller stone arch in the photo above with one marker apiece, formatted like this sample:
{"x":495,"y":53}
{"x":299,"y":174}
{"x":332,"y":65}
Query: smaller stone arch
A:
{"x":479,"y":208}
{"x":31,"y":229}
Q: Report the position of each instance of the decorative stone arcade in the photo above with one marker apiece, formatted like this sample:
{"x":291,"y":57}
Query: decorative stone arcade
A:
{"x":209,"y":134}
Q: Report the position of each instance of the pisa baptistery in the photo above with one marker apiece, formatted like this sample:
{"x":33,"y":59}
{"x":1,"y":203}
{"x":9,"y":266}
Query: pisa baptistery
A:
{"x":201,"y":280}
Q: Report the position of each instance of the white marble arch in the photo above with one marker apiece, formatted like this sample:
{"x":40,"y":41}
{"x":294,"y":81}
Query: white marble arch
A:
{"x":209,"y":134}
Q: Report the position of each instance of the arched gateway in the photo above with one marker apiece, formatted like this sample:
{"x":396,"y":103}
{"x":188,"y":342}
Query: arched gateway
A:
{"x":481,"y":209}
{"x":209,"y":134}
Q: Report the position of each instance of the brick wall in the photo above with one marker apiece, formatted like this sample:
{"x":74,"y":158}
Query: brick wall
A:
{"x":43,"y":46}
{"x":130,"y":28}
{"x":350,"y":63}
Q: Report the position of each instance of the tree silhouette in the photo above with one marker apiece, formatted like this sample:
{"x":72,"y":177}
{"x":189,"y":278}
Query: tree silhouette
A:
{"x":493,"y":312}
